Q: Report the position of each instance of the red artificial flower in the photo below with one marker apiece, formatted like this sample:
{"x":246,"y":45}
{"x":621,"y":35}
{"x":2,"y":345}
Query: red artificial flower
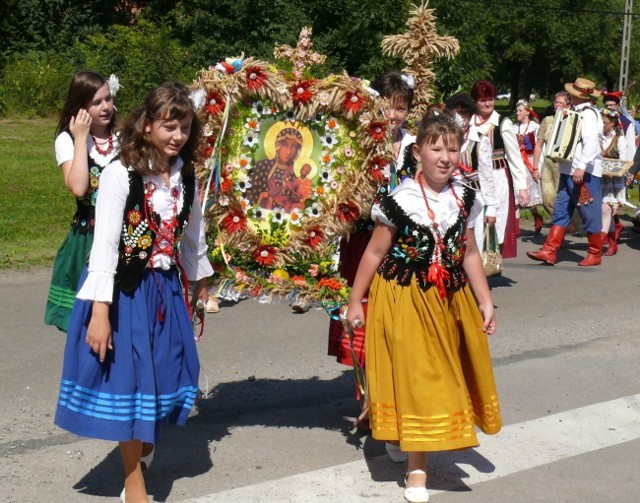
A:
{"x":377,"y":167}
{"x":265,"y":255}
{"x":300,"y":92}
{"x":348,"y":212}
{"x":330,"y":283}
{"x":234,"y":221}
{"x":299,"y":280}
{"x":214,"y":104}
{"x":255,"y":78}
{"x":315,"y":237}
{"x":353,"y":102}
{"x":226,"y":184}
{"x":377,"y":130}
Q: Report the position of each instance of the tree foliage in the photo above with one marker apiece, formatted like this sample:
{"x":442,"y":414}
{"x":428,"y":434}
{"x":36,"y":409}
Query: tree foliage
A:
{"x":523,"y":47}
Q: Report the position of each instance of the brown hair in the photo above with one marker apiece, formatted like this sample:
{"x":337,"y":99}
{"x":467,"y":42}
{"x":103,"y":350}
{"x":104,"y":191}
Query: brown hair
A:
{"x":168,"y":102}
{"x":433,"y":127}
{"x":84,"y":86}
{"x":392,"y":86}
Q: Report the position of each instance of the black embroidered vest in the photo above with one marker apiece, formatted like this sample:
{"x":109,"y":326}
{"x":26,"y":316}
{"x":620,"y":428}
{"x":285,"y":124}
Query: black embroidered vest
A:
{"x":84,"y":218}
{"x":137,"y":238}
{"x":412,"y":249}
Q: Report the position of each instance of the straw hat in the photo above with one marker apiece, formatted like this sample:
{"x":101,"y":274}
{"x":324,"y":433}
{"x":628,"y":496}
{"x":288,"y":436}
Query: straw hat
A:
{"x":582,"y":88}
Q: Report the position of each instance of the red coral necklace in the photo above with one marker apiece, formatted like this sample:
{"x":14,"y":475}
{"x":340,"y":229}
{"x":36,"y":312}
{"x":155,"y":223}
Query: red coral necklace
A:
{"x":438,"y":274}
{"x":106,"y":150}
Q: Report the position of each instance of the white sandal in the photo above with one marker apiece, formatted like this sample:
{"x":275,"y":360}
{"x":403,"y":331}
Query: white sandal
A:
{"x":394,"y":452}
{"x":416,"y":494}
{"x":145,"y":461}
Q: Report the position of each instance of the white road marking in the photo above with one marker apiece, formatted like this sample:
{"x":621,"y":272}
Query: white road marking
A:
{"x":517,"y":447}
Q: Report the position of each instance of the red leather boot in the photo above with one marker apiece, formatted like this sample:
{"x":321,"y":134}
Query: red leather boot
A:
{"x":613,"y":244}
{"x":538,"y":224}
{"x":618,"y":228}
{"x":550,"y":248}
{"x":594,"y":252}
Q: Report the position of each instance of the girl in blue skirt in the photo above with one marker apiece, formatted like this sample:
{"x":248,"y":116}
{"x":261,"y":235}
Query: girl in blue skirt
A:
{"x":85,"y":144}
{"x":130,"y":361}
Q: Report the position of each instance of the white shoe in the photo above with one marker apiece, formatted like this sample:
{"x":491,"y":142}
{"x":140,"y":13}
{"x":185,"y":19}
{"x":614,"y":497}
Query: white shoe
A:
{"x":212,"y":305}
{"x":122,"y":496}
{"x":394,"y":452}
{"x":145,"y":461}
{"x":416,"y":494}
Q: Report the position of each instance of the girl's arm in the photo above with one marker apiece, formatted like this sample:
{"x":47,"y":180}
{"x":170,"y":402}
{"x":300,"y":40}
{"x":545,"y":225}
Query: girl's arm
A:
{"x":76,"y":171}
{"x":193,"y":251}
{"x":377,"y":248}
{"x":478,"y":281}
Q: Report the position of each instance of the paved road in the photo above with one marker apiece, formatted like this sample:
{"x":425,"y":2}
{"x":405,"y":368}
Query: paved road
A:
{"x":276,"y":426}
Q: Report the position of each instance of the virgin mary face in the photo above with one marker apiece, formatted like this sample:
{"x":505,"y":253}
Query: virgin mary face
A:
{"x":287,"y":150}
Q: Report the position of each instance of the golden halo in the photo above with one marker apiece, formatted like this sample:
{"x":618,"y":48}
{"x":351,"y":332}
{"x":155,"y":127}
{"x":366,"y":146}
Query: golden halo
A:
{"x":272,"y":134}
{"x":301,"y":161}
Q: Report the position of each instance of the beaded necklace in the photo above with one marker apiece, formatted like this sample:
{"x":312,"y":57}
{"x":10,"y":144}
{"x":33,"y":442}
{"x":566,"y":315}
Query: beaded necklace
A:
{"x":106,"y":150}
{"x":437,"y":273}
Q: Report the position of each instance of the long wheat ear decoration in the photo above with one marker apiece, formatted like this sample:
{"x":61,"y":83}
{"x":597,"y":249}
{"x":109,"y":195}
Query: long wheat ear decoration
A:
{"x":419,"y":47}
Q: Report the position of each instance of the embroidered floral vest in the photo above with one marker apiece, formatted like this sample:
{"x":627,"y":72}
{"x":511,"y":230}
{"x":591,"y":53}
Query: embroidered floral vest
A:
{"x":412,"y":249}
{"x":84,"y":218}
{"x":137,"y":236}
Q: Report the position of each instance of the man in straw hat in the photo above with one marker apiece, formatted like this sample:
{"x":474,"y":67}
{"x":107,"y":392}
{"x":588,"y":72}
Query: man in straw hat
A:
{"x":582,"y":173}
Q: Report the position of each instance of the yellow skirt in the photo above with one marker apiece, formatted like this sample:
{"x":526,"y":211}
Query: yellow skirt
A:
{"x":429,"y":373}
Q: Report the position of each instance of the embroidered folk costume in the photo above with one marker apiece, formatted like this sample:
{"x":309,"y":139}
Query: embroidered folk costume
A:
{"x":74,"y":251}
{"x":509,"y":175}
{"x":586,"y":195}
{"x":526,"y":136}
{"x":429,"y":374}
{"x":149,"y":241}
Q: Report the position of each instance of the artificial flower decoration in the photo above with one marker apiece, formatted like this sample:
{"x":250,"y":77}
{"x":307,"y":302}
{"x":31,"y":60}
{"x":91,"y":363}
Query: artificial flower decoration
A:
{"x":300,"y":91}
{"x":255,"y":78}
{"x":353,"y":102}
{"x":234,"y":221}
{"x":214,"y":103}
{"x":265,"y":255}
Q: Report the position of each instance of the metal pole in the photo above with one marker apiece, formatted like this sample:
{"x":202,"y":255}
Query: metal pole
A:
{"x":626,"y":42}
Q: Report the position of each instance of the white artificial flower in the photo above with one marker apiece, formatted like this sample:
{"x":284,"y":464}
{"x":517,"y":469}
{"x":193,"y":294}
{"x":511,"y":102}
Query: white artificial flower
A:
{"x":198,"y":98}
{"x":114,"y":84}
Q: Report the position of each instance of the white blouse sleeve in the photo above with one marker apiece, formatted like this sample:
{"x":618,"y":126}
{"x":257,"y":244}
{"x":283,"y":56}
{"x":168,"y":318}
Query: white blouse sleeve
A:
{"x":486,"y":178}
{"x":64,"y":148}
{"x":377,"y":215}
{"x":112,"y":196}
{"x":514,"y":157}
{"x":193,"y":245}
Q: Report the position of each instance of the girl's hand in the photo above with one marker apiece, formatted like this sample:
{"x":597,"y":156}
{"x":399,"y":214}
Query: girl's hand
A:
{"x":490,"y":220}
{"x":200,"y":291}
{"x":355,"y":314}
{"x":535,"y":174}
{"x":99,"y":330}
{"x":80,"y":125}
{"x":488,"y":318}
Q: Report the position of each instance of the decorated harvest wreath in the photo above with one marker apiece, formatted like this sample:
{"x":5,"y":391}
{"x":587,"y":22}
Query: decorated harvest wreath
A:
{"x":291,"y":163}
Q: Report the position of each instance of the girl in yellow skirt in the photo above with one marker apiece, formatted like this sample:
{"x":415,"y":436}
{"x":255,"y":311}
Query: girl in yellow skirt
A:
{"x":429,"y":373}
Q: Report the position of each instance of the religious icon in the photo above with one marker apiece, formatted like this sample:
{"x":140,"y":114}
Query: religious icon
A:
{"x":284,"y":179}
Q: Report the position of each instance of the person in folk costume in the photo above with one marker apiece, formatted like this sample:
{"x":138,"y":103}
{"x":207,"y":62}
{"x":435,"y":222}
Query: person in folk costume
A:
{"x":614,"y":188}
{"x":612,"y":101}
{"x":475,"y":162}
{"x":525,"y":129}
{"x":579,"y":185}
{"x":397,"y":88}
{"x":511,"y":177}
{"x":130,"y":361}
{"x":429,"y":375}
{"x":86,"y":142}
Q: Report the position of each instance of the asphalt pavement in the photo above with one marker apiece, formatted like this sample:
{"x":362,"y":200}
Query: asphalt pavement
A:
{"x":277,"y":423}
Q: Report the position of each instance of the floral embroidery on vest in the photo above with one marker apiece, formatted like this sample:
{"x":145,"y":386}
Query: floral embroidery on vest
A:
{"x":413,"y":247}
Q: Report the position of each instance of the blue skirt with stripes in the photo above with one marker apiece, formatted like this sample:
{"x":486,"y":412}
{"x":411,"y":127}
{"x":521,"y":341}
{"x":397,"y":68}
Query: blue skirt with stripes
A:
{"x":149,"y":378}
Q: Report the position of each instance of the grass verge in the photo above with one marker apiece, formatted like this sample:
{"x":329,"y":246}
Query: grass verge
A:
{"x":35,"y":205}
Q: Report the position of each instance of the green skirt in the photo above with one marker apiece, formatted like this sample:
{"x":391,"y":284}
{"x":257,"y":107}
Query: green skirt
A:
{"x":67,"y":268}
